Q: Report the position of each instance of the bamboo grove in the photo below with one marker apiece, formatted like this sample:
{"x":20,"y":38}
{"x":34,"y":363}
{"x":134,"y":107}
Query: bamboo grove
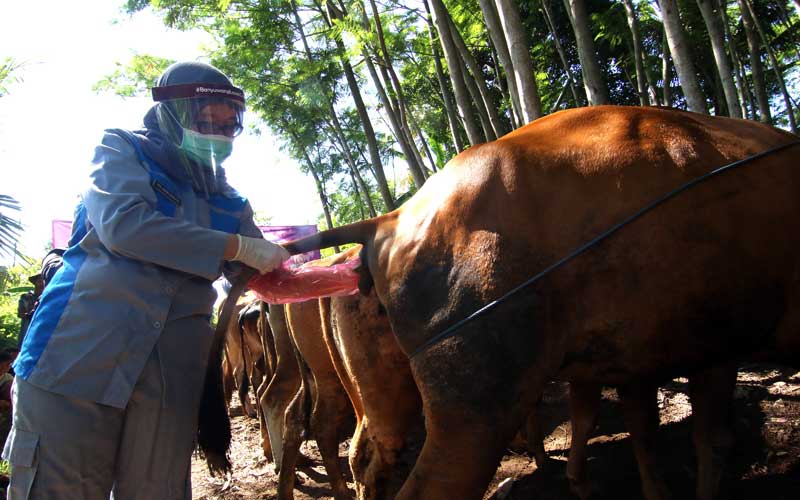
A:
{"x":352,"y":86}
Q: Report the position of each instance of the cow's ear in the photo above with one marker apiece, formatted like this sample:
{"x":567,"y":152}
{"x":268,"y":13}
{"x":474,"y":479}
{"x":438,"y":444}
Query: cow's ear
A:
{"x":365,"y":281}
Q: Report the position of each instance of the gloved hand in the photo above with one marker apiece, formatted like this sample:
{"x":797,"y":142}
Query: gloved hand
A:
{"x":260,"y":254}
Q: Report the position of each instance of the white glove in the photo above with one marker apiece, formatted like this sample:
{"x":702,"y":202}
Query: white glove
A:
{"x":260,"y":254}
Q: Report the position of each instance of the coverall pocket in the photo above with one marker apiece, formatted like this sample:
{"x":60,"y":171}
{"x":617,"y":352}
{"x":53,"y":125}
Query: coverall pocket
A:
{"x":20,"y":450}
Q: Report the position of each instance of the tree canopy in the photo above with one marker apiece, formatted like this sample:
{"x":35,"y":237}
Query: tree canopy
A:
{"x":351,"y":86}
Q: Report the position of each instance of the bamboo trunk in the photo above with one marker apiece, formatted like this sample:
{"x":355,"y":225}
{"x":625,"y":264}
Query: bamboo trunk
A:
{"x":335,"y":120}
{"x":710,"y":12}
{"x":666,"y":76}
{"x":682,"y":57}
{"x":633,"y":25}
{"x":756,"y":68}
{"x":520,"y":59}
{"x":495,"y":29}
{"x":366,"y":122}
{"x":348,"y":155}
{"x":593,"y":82}
{"x":787,"y":99}
{"x":548,"y":17}
{"x":497,"y":127}
{"x":741,"y":83}
{"x":393,"y":81}
{"x":456,"y":74}
{"x":447,"y":98}
{"x":394,"y":124}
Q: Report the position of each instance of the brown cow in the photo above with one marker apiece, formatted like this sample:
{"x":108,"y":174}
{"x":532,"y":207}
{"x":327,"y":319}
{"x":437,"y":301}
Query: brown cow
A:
{"x":304,"y":394}
{"x":250,"y":329}
{"x":329,"y":416}
{"x":275,"y":393}
{"x":360,"y":352}
{"x":234,"y":364}
{"x":377,"y":377}
{"x":710,"y":275}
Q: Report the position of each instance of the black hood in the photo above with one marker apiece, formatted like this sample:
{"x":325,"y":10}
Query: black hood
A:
{"x":192,"y":72}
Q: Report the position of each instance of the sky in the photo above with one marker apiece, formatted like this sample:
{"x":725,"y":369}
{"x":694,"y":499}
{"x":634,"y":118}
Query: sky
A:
{"x":51,"y":121}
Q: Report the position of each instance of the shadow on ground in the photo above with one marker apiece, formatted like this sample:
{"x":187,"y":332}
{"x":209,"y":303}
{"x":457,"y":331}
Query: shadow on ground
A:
{"x":764,"y":464}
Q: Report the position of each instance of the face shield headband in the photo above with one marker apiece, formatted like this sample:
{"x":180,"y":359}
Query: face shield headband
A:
{"x":198,"y":90}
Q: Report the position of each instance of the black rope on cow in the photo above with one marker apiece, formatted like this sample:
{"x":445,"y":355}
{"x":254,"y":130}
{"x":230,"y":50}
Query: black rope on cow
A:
{"x":586,"y":246}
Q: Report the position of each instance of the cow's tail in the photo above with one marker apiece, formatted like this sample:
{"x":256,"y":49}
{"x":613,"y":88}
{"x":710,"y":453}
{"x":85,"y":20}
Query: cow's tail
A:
{"x":213,"y":423}
{"x":358,"y":232}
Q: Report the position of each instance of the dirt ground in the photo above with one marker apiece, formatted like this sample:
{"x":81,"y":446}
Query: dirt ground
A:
{"x":764,"y":465}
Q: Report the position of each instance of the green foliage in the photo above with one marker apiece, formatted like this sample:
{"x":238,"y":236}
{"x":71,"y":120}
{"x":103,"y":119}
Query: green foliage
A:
{"x":261,"y":218}
{"x":9,"y":322}
{"x":9,"y":73}
{"x":15,"y":283}
{"x":10,"y":229}
{"x":135,"y":77}
{"x":5,"y":470}
{"x":261,"y":48}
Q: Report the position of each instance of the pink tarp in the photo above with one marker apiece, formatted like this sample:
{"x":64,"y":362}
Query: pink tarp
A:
{"x":280,"y":234}
{"x":61,"y":232}
{"x":62,"y":229}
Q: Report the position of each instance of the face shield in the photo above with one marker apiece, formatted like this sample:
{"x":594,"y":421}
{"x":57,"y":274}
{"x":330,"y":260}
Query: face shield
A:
{"x":201,"y":120}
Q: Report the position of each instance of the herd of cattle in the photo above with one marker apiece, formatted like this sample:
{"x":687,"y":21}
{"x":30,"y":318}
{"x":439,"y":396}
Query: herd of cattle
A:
{"x":441,"y":375}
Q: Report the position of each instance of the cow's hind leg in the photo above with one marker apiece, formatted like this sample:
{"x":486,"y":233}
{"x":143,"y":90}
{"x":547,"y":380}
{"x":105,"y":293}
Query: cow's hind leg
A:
{"x":228,"y":384}
{"x":244,"y":395}
{"x":711,"y":394}
{"x":584,"y":402}
{"x":262,"y":421}
{"x":331,"y":409}
{"x":640,"y":409}
{"x":270,"y":363}
{"x":284,"y":384}
{"x":474,"y":402}
{"x":535,"y":437}
{"x":294,"y":425}
{"x":457,"y":461}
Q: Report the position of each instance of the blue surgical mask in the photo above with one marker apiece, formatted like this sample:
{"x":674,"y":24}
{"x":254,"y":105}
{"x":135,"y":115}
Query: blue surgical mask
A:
{"x":205,"y":149}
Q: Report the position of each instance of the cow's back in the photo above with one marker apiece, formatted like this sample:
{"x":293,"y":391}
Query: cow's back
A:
{"x":709,"y":274}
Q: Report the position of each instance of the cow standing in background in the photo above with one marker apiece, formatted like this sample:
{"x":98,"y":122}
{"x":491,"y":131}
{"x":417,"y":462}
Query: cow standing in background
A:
{"x":234,"y":364}
{"x":251,"y":324}
{"x":377,"y":377}
{"x":323,"y":346}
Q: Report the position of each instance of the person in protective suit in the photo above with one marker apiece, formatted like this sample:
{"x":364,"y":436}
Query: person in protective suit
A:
{"x":27,"y":304}
{"x":110,"y":374}
{"x":29,"y":301}
{"x":51,"y":263}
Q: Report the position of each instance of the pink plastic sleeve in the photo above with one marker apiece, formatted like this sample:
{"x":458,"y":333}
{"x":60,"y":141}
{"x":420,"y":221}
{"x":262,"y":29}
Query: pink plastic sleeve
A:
{"x":285,"y":285}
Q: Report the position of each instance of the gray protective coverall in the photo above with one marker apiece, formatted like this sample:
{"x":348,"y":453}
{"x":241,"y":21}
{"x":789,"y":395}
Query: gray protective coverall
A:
{"x":111,"y":371}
